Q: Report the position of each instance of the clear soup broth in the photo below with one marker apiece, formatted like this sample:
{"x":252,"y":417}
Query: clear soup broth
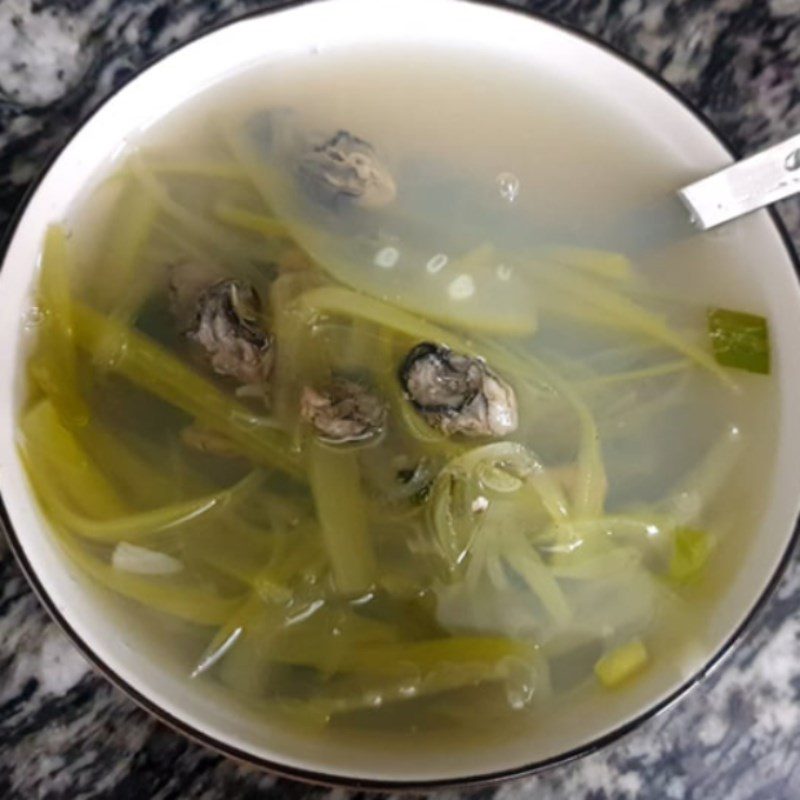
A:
{"x":373,"y":395}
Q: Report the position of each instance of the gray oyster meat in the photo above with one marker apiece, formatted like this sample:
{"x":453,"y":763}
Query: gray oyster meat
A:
{"x":223,"y":318}
{"x":342,"y":412}
{"x":458,"y":394}
{"x":346,"y":169}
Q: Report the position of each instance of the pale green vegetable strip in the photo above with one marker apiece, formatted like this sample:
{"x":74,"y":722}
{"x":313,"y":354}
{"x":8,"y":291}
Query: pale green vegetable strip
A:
{"x":497,"y":573}
{"x":624,"y":313}
{"x":127,"y":280}
{"x":233,"y":548}
{"x":695,"y":491}
{"x":270,"y":584}
{"x":296,"y":553}
{"x":562,"y":304}
{"x":626,"y":355}
{"x":199,"y":169}
{"x":602,"y":263}
{"x":145,"y":480}
{"x":295,"y":356}
{"x":395,"y":658}
{"x":630,"y":526}
{"x":255,"y":168}
{"x":446,"y":673}
{"x":646,"y":373}
{"x":380,"y":654}
{"x":335,"y":481}
{"x":215,"y":238}
{"x":642,"y":412}
{"x":196,"y":225}
{"x":228,"y":634}
{"x":525,"y":561}
{"x":617,"y":666}
{"x":599,"y":567}
{"x":591,"y":483}
{"x":180,"y":240}
{"x":349,"y":699}
{"x":270,"y":227}
{"x":54,"y":457}
{"x":189,"y":603}
{"x":344,"y":302}
{"x":269,"y":560}
{"x":551,"y":495}
{"x":522,"y":490}
{"x":148,"y":365}
{"x":54,"y":364}
{"x":122,"y":254}
{"x":512,"y":457}
{"x":146,"y":523}
{"x":245,"y":667}
{"x":312,"y":643}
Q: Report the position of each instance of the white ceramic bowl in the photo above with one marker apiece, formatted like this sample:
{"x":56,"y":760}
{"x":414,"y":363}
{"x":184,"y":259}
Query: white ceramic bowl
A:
{"x":338,"y":24}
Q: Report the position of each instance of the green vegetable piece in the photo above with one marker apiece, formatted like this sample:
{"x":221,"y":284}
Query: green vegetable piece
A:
{"x":740,"y":340}
{"x":692,"y":548}
{"x":131,"y":527}
{"x":336,"y":485}
{"x":190,"y":602}
{"x":54,"y":364}
{"x":126,"y":245}
{"x":57,"y":464}
{"x":621,"y":663}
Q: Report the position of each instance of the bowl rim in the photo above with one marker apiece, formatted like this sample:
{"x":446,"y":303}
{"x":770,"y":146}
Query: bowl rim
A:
{"x":320,"y":778}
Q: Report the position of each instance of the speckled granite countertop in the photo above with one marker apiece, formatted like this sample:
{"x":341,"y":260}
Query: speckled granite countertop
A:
{"x":66,"y":733}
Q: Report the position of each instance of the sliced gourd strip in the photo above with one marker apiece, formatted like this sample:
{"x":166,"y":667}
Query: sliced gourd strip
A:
{"x":335,"y":481}
{"x":54,"y":363}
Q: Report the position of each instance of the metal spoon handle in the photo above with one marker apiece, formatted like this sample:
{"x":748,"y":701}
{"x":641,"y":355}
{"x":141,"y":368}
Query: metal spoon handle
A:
{"x":747,"y":185}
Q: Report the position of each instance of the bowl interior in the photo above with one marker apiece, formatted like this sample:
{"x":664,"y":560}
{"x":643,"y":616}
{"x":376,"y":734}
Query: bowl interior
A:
{"x":748,"y":261}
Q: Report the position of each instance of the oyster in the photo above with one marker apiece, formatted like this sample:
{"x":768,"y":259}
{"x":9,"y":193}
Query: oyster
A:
{"x":456,"y":393}
{"x":343,"y":412}
{"x":223,"y":318}
{"x":346,"y":168}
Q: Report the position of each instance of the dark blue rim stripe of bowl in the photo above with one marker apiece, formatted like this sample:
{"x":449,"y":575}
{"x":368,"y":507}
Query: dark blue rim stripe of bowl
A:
{"x":321,"y":778}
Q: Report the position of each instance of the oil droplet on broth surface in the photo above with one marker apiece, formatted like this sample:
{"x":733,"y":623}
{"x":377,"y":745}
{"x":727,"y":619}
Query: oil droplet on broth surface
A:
{"x":508,"y":184}
{"x":462,"y":287}
{"x":437,"y":263}
{"x":387,"y":257}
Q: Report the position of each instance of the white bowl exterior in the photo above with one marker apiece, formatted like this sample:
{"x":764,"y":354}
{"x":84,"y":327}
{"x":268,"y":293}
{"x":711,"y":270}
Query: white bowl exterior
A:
{"x":338,"y":24}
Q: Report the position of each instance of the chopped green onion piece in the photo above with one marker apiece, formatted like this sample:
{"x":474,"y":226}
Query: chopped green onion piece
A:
{"x":621,"y":663}
{"x":739,"y":340}
{"x":692,"y":548}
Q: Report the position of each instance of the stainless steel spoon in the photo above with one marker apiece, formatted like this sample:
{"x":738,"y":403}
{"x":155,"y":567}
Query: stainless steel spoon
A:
{"x":750,"y":184}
